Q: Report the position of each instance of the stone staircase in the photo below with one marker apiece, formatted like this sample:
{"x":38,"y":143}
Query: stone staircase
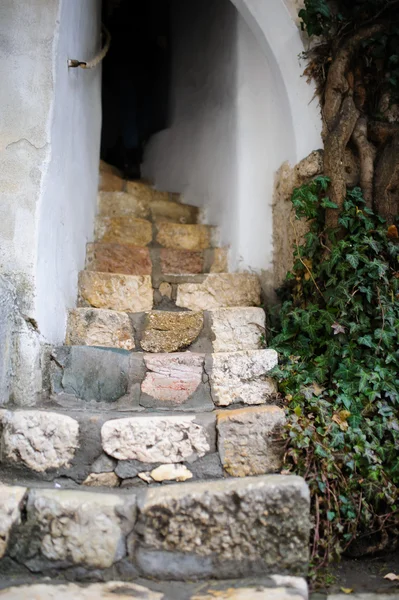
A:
{"x":157,"y":447}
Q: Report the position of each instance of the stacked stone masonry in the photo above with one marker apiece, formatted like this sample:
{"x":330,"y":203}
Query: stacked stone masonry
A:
{"x":163,"y":393}
{"x":80,"y":534}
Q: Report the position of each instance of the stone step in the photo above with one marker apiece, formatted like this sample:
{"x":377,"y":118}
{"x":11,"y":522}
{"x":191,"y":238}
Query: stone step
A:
{"x":130,"y":293}
{"x":275,"y":587}
{"x":111,"y":180}
{"x":140,"y":232}
{"x":212,"y":529}
{"x":136,"y":450}
{"x":220,"y":330}
{"x":118,"y":292}
{"x":105,"y":379}
{"x":107,"y":168}
{"x":135,"y":260}
{"x":118,"y":204}
{"x":207,"y":292}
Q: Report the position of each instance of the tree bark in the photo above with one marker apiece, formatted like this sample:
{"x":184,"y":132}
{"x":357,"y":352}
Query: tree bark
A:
{"x":386,"y":189}
{"x":334,"y":157}
{"x":367,"y":154}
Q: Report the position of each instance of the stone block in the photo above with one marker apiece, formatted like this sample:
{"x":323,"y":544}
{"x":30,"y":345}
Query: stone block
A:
{"x":170,"y":331}
{"x":117,"y":204}
{"x":219,"y":290}
{"x":116,"y":292}
{"x":102,"y":480}
{"x":109,"y":182}
{"x":114,"y":590}
{"x":173,"y":380}
{"x":165,"y":210}
{"x":104,"y":464}
{"x":171,"y":473}
{"x":38,"y":440}
{"x":72,"y":528}
{"x":181,"y":262}
{"x":99,"y":327}
{"x":184,"y":237}
{"x":155,"y":439}
{"x":238,"y":328}
{"x":145,"y":191}
{"x":242,"y":377}
{"x":118,"y":258}
{"x":123,"y":230}
{"x":107,"y":168}
{"x":11,"y":499}
{"x":220,"y":263}
{"x":249,"y":440}
{"x":129,"y":469}
{"x":101,"y":376}
{"x":226,"y":528}
{"x":207,"y":467}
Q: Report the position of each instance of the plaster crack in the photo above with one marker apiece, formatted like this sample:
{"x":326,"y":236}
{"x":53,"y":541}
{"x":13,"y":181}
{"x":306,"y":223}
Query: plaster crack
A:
{"x":28,"y":142}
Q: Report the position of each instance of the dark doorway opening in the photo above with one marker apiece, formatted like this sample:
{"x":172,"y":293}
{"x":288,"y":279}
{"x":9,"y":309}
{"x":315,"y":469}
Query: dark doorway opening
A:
{"x":135,"y":81}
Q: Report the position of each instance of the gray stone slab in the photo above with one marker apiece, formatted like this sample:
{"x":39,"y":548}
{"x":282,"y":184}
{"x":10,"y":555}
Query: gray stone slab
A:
{"x":207,"y":467}
{"x":97,"y":375}
{"x":236,"y":527}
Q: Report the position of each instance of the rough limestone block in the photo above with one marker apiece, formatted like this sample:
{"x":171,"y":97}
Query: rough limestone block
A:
{"x":99,"y":327}
{"x":102,"y":480}
{"x":144,"y":191}
{"x":219,"y":290}
{"x":118,"y":258}
{"x":107,"y":168}
{"x":10,"y":512}
{"x":109,"y":182}
{"x":72,"y":527}
{"x":181,"y":262}
{"x":171,"y":473}
{"x":116,"y":292}
{"x":172,"y":379}
{"x":165,"y":210}
{"x":39,"y":440}
{"x":170,"y":331}
{"x":220,"y":262}
{"x":184,"y":237}
{"x":242,"y":377}
{"x":117,"y":204}
{"x":97,"y":375}
{"x":155,"y":439}
{"x":276,"y":588}
{"x":238,"y":328}
{"x":113,"y":590}
{"x":123,"y":230}
{"x":249,"y":440}
{"x":226,"y":528}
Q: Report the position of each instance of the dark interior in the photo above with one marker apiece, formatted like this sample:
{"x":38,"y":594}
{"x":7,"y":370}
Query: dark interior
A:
{"x":136,"y":75}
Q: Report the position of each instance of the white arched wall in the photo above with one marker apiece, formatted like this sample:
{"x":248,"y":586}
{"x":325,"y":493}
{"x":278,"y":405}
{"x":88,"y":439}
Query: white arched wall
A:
{"x":240,"y":108}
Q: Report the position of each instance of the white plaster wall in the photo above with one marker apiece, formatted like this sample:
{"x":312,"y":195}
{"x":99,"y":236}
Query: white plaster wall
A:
{"x":68,"y":201}
{"x":275,"y":26}
{"x":197,"y":155}
{"x":49,"y":146}
{"x":26,"y":63}
{"x":234,"y":122}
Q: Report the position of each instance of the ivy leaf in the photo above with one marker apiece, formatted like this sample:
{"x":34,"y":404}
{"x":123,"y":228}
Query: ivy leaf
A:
{"x":353,"y":260}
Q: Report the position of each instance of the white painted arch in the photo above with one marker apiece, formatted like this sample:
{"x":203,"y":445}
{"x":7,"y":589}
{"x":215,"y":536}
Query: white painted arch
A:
{"x":241,"y":108}
{"x":275,"y":29}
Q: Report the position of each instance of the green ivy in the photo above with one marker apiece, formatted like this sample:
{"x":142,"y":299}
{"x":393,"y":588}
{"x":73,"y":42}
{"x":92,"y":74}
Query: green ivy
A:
{"x":337,"y":333}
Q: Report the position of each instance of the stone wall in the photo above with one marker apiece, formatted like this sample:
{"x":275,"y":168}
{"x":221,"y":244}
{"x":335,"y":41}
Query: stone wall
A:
{"x":287,"y":230}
